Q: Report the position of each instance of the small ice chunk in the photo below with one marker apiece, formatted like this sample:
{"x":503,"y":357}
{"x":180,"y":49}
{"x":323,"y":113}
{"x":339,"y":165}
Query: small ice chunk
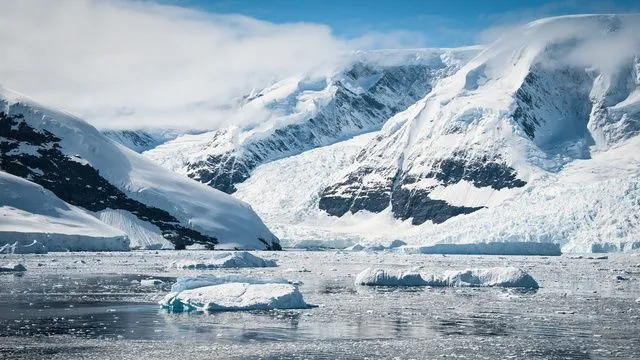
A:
{"x":396,"y":244}
{"x":498,"y":276}
{"x":11,"y":267}
{"x":359,"y":247}
{"x":638,"y":300}
{"x":356,"y":247}
{"x":151,"y":282}
{"x":236,"y":297}
{"x":238,"y":259}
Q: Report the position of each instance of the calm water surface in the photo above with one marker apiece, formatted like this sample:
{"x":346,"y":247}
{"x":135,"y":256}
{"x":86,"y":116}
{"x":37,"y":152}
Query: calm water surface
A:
{"x":84,"y":314}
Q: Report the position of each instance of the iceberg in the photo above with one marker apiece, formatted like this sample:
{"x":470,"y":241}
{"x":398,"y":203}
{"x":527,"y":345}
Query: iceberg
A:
{"x":11,"y":267}
{"x":236,"y":297}
{"x":510,"y":277}
{"x":239,"y":259}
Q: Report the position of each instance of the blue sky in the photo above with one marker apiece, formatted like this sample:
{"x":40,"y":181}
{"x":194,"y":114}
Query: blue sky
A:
{"x":427,"y":23}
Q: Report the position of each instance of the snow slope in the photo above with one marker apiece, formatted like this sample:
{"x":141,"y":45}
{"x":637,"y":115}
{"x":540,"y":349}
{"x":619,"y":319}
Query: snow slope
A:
{"x":84,"y":168}
{"x":142,"y":140}
{"x":29,"y":212}
{"x":523,"y":108}
{"x":531,"y":141}
{"x":302,"y":113}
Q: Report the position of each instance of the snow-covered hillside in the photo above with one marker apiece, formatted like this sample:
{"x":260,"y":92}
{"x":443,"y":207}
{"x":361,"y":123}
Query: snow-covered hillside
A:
{"x":302,"y":113}
{"x":533,"y":140}
{"x":29,"y":212}
{"x":525,"y":107}
{"x":142,"y":140}
{"x":84,"y":168}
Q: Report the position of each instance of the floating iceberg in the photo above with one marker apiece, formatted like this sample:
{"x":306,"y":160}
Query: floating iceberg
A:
{"x":12,"y":268}
{"x":390,"y":277}
{"x":232,"y":293}
{"x":499,"y":276}
{"x":236,"y":297}
{"x":238,"y":259}
{"x":151,"y":282}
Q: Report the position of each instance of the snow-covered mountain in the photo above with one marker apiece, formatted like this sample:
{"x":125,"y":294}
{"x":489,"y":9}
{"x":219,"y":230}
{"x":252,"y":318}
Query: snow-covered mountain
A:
{"x":29,"y":213}
{"x":526,"y":106}
{"x":533,"y":140}
{"x":124,"y":190}
{"x":141,"y":140}
{"x":302,"y":113}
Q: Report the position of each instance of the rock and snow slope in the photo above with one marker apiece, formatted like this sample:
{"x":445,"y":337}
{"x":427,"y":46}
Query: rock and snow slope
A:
{"x":84,"y":168}
{"x":302,"y":113}
{"x":534,"y":140}
{"x":141,"y":140}
{"x":29,"y":212}
{"x":523,"y":108}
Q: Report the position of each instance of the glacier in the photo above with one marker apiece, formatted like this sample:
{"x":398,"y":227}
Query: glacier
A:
{"x":306,"y":112}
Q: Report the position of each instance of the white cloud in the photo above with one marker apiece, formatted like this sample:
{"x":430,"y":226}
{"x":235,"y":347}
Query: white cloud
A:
{"x":135,"y":64}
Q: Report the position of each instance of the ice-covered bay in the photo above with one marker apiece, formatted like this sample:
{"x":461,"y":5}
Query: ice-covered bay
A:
{"x":94,"y":305}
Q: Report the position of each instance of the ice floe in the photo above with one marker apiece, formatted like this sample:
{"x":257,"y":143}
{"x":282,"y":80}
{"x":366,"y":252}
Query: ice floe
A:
{"x":232,"y":293}
{"x":497,"y":276}
{"x":151,"y":282}
{"x":238,"y":259}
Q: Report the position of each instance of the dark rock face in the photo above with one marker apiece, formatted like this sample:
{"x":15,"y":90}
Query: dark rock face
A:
{"x":76,"y":182}
{"x":480,"y":172}
{"x":222,"y":171}
{"x":410,"y":202}
{"x":555,"y":93}
{"x":417,"y":205}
